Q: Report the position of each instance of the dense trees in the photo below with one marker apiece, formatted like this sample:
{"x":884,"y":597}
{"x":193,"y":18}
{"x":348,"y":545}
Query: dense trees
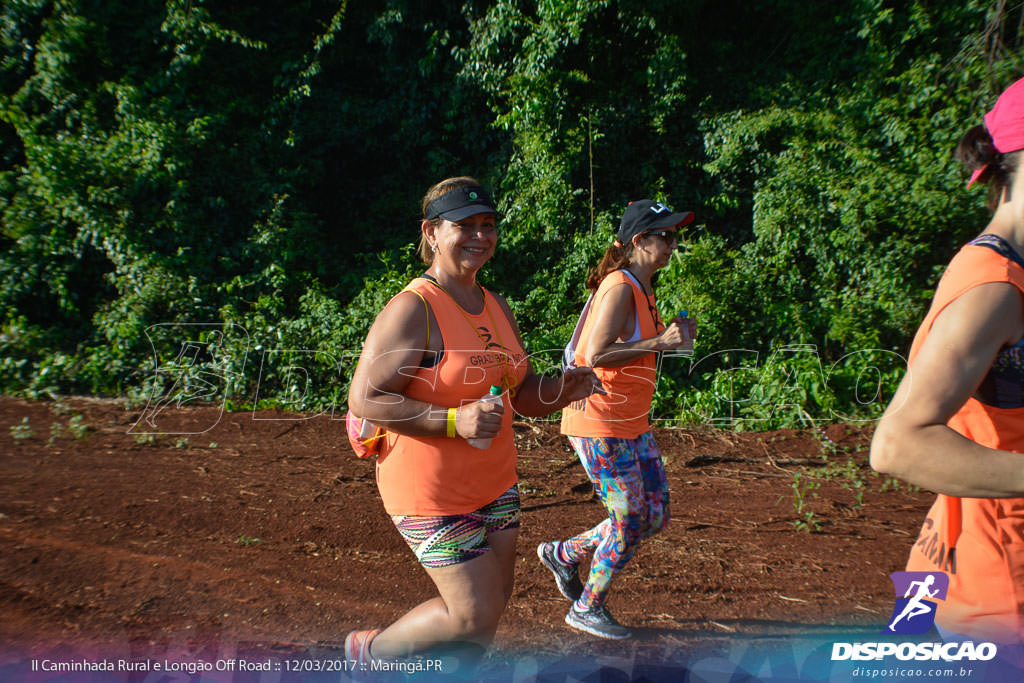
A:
{"x":256,"y":168}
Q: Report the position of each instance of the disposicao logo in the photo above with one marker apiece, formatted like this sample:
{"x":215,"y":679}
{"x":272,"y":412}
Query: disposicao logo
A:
{"x":914,"y":612}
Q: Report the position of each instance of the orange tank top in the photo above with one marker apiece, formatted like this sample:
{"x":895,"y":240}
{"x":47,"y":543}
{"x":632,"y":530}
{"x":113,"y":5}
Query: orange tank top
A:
{"x":436,"y":475}
{"x":979,"y":542}
{"x":623,"y":413}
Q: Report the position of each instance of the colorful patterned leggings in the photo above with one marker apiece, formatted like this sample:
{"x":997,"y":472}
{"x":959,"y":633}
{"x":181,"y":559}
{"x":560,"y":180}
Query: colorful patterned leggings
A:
{"x":630,"y":479}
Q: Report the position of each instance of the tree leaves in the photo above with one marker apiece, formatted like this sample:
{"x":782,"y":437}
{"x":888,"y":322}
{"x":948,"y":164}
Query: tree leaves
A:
{"x":184,"y":162}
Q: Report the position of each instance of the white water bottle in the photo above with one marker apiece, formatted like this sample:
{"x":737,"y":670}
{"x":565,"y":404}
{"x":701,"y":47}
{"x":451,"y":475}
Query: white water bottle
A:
{"x":367,"y":429}
{"x":679,"y":352}
{"x":492,"y":396}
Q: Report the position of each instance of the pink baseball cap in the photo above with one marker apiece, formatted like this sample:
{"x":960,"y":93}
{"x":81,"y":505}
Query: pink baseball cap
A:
{"x":1005,"y":123}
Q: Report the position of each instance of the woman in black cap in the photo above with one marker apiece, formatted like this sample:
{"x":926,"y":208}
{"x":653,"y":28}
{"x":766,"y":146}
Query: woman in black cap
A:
{"x":620,"y":336}
{"x":446,"y":469}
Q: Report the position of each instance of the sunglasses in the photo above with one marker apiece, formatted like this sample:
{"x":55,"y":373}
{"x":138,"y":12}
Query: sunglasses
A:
{"x":666,"y":236}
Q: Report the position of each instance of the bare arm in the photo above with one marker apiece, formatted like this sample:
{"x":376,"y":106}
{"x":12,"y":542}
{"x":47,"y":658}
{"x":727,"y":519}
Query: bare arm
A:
{"x":391,"y":355}
{"x":537,"y":395}
{"x":617,"y":310}
{"x":912,"y":441}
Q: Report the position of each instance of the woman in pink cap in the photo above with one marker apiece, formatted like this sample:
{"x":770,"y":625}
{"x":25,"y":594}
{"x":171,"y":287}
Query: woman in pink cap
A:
{"x":956,"y":423}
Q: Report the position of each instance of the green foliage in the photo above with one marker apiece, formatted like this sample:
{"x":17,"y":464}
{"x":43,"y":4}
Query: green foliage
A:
{"x":78,"y":428}
{"x":791,"y":388}
{"x":243,"y":183}
{"x":22,"y":431}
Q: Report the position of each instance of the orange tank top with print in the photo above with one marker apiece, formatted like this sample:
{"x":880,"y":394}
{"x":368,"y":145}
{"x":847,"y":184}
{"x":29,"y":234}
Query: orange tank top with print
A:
{"x":625,"y":409}
{"x":979,"y":542}
{"x":437,"y":475}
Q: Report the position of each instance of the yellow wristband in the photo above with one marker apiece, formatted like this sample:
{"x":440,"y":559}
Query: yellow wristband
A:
{"x":451,"y":422}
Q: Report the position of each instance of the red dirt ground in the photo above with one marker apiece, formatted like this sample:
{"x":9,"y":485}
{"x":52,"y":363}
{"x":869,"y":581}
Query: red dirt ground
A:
{"x":265,"y":534}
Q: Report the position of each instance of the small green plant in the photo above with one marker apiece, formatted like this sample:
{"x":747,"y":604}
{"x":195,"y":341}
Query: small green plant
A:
{"x":802,"y":486}
{"x":77,"y":427}
{"x":213,"y":444}
{"x":850,"y":475}
{"x":828,"y":446}
{"x":181,"y":443}
{"x":56,"y":432}
{"x":145,"y":439}
{"x":22,"y":430}
{"x":857,"y":486}
{"x":59,"y":407}
{"x":892,"y":484}
{"x":247,"y":540}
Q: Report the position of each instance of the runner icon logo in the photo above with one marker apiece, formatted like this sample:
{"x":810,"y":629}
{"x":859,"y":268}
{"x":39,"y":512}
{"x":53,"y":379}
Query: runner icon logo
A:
{"x":916,"y":595}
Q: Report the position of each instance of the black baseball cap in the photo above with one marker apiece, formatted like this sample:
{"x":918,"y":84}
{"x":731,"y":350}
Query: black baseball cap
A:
{"x":645,"y":215}
{"x":462,"y":202}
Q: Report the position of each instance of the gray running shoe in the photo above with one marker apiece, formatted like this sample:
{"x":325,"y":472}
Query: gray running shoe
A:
{"x":567,"y":576}
{"x":597,"y":621}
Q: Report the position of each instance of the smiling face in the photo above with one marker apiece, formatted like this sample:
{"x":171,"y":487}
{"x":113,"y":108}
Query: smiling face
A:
{"x":463,"y":246}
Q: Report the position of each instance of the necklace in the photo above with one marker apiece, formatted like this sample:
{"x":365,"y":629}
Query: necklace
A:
{"x":655,"y":317}
{"x":508,"y":378}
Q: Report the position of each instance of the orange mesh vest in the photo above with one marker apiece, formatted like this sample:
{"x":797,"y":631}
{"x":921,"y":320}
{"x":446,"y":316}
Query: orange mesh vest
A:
{"x":979,"y":542}
{"x":437,"y":475}
{"x":623,"y":412}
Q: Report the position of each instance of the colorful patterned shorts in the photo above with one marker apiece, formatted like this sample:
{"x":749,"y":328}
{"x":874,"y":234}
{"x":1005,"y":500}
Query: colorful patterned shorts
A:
{"x":451,"y":539}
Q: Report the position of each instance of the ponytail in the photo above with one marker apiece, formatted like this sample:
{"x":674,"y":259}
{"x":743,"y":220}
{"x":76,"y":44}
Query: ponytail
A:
{"x":615,"y":258}
{"x":977,"y":152}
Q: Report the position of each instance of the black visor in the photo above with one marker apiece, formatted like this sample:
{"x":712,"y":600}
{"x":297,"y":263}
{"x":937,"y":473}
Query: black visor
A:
{"x":462,"y":202}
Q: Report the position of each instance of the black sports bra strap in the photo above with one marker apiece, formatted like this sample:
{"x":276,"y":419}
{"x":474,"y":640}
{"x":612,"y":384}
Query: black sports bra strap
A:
{"x":998,"y":245}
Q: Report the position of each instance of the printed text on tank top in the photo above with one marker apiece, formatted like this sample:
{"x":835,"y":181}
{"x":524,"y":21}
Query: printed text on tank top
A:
{"x":508,"y":380}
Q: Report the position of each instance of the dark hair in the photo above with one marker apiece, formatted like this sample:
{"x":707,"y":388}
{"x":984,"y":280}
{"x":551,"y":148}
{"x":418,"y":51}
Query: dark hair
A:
{"x":977,"y":150}
{"x":615,"y":257}
{"x":443,"y":187}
